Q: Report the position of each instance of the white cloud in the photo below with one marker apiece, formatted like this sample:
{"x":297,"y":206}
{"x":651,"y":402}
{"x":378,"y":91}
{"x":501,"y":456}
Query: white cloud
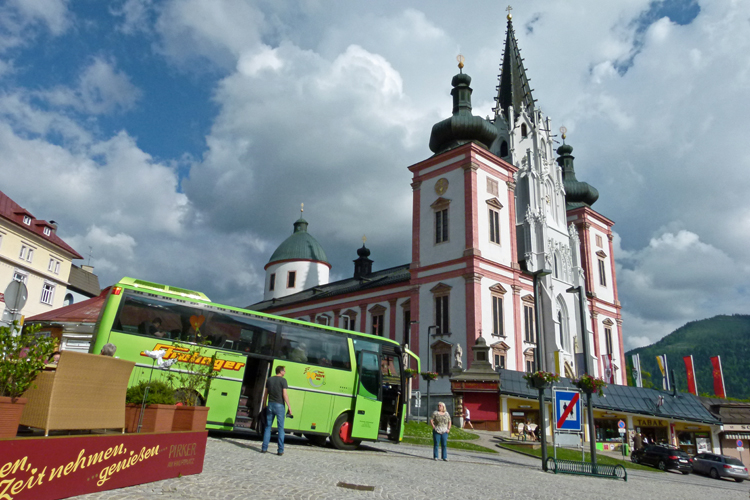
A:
{"x":19,"y":20}
{"x":100,"y":89}
{"x":134,"y":14}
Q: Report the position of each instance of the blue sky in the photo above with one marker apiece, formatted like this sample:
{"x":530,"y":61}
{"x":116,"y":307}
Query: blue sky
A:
{"x":177,"y":139}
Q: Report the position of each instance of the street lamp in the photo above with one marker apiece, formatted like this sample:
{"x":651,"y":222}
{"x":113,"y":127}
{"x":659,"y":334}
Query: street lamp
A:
{"x":540,"y":357}
{"x":429,"y":363}
{"x":584,"y":333}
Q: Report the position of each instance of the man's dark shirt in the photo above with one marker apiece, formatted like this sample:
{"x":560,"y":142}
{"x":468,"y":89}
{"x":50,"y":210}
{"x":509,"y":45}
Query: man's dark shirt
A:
{"x":275,"y":386}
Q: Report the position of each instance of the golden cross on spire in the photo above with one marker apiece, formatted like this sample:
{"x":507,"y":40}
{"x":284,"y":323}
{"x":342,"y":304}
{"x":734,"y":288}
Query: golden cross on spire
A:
{"x":508,"y":9}
{"x":364,"y":239}
{"x":302,"y":207}
{"x":460,"y":60}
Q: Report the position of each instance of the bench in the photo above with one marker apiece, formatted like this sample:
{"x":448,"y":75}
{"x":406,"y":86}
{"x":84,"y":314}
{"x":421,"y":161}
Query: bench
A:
{"x":586,"y":469}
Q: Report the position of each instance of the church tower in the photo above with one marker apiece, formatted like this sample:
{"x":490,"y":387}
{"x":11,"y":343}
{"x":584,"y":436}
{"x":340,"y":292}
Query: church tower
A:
{"x":546,"y":245}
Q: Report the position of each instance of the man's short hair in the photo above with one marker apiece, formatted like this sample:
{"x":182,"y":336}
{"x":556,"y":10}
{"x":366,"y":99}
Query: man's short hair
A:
{"x":108,"y":350}
{"x":279,"y":369}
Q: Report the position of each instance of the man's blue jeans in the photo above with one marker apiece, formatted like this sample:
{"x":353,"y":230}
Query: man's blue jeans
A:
{"x":443,"y":440}
{"x":277,"y":410}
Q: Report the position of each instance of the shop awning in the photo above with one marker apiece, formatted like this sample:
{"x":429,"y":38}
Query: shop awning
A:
{"x":736,"y":435}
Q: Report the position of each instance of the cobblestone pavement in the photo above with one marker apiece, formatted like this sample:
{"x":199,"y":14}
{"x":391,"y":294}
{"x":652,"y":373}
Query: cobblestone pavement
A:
{"x":235,"y":469}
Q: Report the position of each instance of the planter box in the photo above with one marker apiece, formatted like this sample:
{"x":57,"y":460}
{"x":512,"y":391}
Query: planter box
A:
{"x":10,"y":416}
{"x":156,"y":418}
{"x":538,"y":383}
{"x":190,"y":418}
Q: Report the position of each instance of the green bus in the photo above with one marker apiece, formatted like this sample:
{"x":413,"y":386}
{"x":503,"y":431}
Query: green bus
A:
{"x":343,"y":385}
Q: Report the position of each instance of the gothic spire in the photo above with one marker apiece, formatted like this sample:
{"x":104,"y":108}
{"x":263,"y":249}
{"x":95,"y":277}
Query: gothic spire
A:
{"x":513,"y":89}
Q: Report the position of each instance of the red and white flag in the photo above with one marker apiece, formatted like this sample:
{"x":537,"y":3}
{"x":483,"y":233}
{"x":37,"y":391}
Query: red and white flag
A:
{"x":692,"y":386}
{"x":718,"y":377}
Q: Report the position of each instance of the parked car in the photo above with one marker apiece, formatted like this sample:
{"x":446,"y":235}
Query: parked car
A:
{"x":718,"y":466}
{"x":663,"y":458}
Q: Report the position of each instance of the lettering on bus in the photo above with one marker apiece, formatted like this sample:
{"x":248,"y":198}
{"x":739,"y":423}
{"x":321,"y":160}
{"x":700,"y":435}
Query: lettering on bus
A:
{"x":183,"y":356}
{"x":317,"y":378}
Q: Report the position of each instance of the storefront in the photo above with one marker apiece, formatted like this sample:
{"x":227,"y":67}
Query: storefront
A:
{"x":653,"y":430}
{"x":478,"y":390}
{"x":731,"y":437}
{"x":522,"y":412}
{"x":607,"y":431}
{"x":693,"y":438}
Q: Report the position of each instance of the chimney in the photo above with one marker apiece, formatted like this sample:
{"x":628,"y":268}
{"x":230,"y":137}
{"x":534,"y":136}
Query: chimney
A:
{"x":88,"y":269}
{"x":54,"y":226}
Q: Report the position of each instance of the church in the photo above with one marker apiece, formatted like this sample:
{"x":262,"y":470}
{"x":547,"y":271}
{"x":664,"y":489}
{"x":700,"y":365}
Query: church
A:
{"x":496,"y":210}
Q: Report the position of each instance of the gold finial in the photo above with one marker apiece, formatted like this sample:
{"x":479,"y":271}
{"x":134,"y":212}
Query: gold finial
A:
{"x":563,"y":131}
{"x":508,"y":9}
{"x":302,"y":207}
{"x":364,"y":239}
{"x":460,"y":60}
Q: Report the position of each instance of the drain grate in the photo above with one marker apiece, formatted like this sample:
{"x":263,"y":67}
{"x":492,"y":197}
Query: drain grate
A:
{"x":359,"y":487}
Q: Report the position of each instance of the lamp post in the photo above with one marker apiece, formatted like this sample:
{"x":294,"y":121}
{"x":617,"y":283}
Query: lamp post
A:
{"x":429,"y":363}
{"x":589,"y":408}
{"x":540,"y":357}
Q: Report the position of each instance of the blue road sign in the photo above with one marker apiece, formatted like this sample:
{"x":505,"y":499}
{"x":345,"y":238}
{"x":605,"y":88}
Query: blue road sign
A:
{"x":568,"y":410}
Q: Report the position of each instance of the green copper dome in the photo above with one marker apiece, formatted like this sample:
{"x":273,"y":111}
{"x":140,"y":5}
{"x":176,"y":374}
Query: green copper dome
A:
{"x":577,"y":193}
{"x":299,"y":246}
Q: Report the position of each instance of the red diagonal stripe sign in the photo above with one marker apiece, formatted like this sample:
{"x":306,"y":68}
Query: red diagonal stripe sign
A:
{"x":568,"y":409}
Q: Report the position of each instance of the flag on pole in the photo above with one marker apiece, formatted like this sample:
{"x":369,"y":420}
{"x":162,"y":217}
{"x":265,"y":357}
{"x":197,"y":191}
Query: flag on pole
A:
{"x":637,"y":380}
{"x":662,"y":362}
{"x":692,"y":386}
{"x":718,"y":377}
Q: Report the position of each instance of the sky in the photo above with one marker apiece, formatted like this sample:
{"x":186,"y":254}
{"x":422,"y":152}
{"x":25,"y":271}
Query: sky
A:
{"x":175,"y":140}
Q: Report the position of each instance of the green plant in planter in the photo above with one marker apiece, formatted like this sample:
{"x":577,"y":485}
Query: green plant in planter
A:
{"x":429,"y":375}
{"x":23,"y":355}
{"x":159,"y":393}
{"x":590,"y":385}
{"x":540,"y":378}
{"x":410,"y":372}
{"x":196,"y":370}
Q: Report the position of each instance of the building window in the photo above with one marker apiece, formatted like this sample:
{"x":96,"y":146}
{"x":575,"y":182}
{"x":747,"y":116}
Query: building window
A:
{"x":272,"y":282}
{"x":47,"y":231}
{"x":529,"y":333}
{"x":442,"y":320}
{"x":441,"y":357}
{"x":346,"y":322}
{"x":599,"y":240}
{"x":529,"y":365}
{"x":494,"y":226}
{"x":27,"y":253}
{"x":377,"y":325}
{"x":608,"y":339}
{"x":441,"y":225}
{"x":492,"y":187}
{"x":48,"y":293}
{"x":20,"y":276}
{"x":291,"y":278}
{"x":602,"y":273}
{"x":322,"y":320}
{"x":497,"y":316}
{"x":407,"y":326}
{"x":27,"y":220}
{"x":54,"y":266}
{"x":524,"y":130}
{"x":499,"y":361}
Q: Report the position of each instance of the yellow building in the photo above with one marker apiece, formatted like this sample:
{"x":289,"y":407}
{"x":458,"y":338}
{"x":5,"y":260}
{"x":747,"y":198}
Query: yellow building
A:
{"x":31,"y":252}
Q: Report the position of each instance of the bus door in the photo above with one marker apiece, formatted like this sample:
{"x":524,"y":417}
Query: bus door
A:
{"x":368,"y":398}
{"x":392,"y":394}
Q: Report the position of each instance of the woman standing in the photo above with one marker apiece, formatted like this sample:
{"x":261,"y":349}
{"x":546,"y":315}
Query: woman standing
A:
{"x":441,"y":426}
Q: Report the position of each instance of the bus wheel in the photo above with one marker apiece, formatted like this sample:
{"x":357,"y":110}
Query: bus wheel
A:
{"x":316,"y":439}
{"x":342,"y":434}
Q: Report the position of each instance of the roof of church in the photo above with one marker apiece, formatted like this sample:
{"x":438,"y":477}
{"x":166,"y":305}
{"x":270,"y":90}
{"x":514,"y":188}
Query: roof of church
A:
{"x":462,"y":127}
{"x":514,"y":89}
{"x":577,"y":193}
{"x":13,"y":212}
{"x":373,"y":280}
{"x":299,"y":246}
{"x":621,"y":398}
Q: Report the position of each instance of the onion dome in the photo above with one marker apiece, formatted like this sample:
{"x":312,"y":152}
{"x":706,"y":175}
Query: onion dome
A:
{"x":463,"y":126}
{"x":362,"y":265}
{"x":299,"y":246}
{"x":577,"y":193}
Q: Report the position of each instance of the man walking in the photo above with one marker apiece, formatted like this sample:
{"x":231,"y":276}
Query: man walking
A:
{"x":277,"y":396}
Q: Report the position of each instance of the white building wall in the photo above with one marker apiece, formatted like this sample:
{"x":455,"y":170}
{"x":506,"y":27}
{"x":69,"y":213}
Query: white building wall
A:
{"x":429,"y":251}
{"x":308,"y":275}
{"x":502,"y":252}
{"x":606,"y":292}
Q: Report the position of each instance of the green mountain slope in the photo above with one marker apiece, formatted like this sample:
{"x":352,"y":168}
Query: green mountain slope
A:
{"x":725,"y":336}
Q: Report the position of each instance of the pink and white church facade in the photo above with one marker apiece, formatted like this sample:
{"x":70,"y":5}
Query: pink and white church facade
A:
{"x":492,"y":206}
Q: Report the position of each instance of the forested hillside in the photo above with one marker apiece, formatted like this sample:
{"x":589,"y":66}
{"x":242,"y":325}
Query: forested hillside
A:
{"x":726,"y":336}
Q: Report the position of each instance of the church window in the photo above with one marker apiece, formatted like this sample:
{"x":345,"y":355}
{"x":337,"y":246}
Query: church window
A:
{"x":291,"y":278}
{"x":500,"y":361}
{"x":407,"y":326}
{"x":348,"y":320}
{"x":494,"y":226}
{"x":599,"y":240}
{"x":602,"y":273}
{"x":504,"y":148}
{"x":377,"y":325}
{"x":441,"y":225}
{"x":497,"y":315}
{"x":272,"y":282}
{"x":492,"y":187}
{"x":557,"y":270}
{"x":524,"y":130}
{"x":530,"y":363}
{"x":441,"y":358}
{"x":608,"y":339}
{"x":442,"y":319}
{"x":528,"y":314}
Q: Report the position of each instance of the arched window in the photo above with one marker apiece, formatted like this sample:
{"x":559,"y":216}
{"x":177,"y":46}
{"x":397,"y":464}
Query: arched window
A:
{"x":524,"y":131}
{"x":504,"y":149}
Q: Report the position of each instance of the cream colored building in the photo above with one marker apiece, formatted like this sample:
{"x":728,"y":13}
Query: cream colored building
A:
{"x":31,"y":252}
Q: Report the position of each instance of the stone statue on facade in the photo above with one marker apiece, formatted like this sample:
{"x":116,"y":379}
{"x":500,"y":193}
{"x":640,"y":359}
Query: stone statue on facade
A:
{"x":459,"y":352}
